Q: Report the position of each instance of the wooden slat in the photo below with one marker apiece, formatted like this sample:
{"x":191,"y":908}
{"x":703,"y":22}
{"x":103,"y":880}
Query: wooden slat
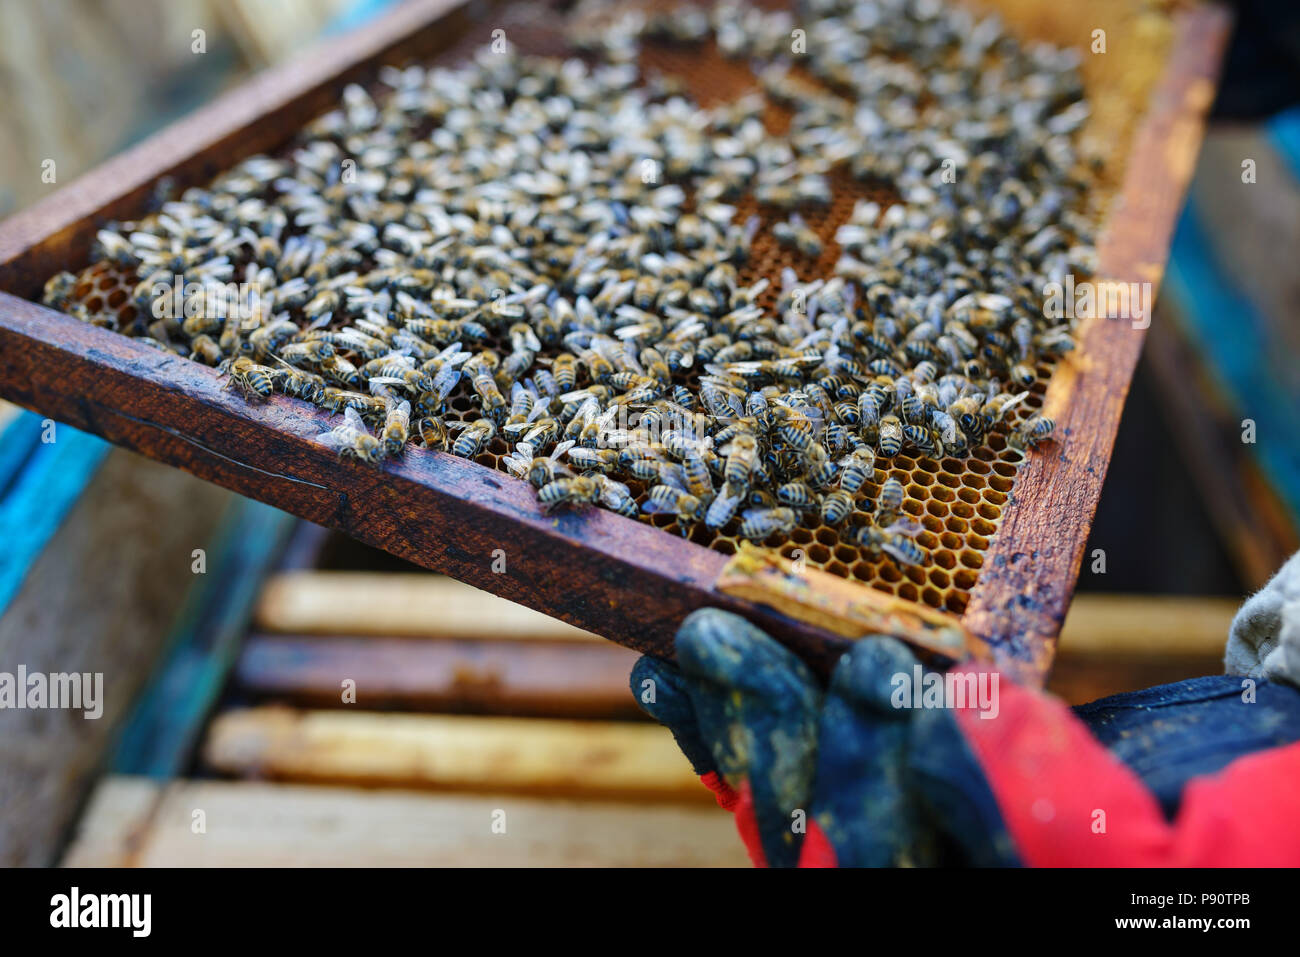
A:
{"x":494,"y":677}
{"x":1149,"y":626}
{"x":421,"y":606}
{"x":276,"y":825}
{"x":528,"y":755}
{"x":1114,"y":643}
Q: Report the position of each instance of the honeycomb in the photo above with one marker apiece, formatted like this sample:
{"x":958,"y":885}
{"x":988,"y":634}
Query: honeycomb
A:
{"x":958,"y":501}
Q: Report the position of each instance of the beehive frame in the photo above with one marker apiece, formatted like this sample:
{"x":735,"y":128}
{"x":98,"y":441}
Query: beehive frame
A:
{"x":623,"y":579}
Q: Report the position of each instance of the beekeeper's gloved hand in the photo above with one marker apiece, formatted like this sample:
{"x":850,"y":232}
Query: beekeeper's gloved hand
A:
{"x":1201,"y":773}
{"x":814,"y":778}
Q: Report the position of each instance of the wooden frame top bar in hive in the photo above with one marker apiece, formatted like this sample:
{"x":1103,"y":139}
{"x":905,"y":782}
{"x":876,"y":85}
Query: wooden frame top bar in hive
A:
{"x":620,"y":578}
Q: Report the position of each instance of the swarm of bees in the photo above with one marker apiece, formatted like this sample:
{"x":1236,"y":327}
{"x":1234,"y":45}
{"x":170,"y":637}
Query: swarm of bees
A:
{"x":556,"y":240}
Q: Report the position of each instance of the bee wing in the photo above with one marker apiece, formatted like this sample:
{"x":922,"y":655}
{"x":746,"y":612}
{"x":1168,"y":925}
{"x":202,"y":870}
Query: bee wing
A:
{"x":562,"y":448}
{"x":674,"y":476}
{"x":337,"y":437}
{"x":588,"y":411}
{"x":352,"y":418}
{"x":538,"y":410}
{"x":653,"y":507}
{"x":445,"y":381}
{"x":905,"y":526}
{"x":613,"y":494}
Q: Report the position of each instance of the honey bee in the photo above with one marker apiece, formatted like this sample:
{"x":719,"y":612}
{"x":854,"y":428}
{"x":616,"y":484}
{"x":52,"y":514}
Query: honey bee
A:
{"x":341,"y":370}
{"x":797,"y":495}
{"x":761,"y":523}
{"x":797,"y":234}
{"x":565,"y":370}
{"x":574,"y":490}
{"x":204,"y":349}
{"x":600,"y":460}
{"x":698,"y":481}
{"x":433,"y":433}
{"x":857,"y":467}
{"x":249,"y":377}
{"x":723,"y":507}
{"x":352,"y":439}
{"x":742,"y":455}
{"x":397,"y":427}
{"x":295,"y":382}
{"x":1032,"y":431}
{"x":315,"y":351}
{"x":472,"y":437}
{"x":59,"y":290}
{"x":891,"y":436}
{"x":683,"y":506}
{"x":616,"y":496}
{"x":922,"y":439}
{"x":268,"y":338}
{"x":889,"y":503}
{"x":836,"y":506}
{"x":538,"y":470}
{"x":893,"y":539}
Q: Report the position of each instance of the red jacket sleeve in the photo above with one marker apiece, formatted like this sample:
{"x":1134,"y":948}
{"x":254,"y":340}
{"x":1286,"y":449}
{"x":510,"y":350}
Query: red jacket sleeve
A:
{"x":1068,"y":802}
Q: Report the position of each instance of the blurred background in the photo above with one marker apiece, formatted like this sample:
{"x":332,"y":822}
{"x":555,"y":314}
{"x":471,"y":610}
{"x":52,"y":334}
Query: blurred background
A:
{"x":278,"y":694}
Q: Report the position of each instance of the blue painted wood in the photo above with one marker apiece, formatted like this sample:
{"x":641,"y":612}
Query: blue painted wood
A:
{"x":159,"y":736}
{"x":41,"y":482}
{"x":1284,"y":131}
{"x":1251,"y":372}
{"x":18,"y":440}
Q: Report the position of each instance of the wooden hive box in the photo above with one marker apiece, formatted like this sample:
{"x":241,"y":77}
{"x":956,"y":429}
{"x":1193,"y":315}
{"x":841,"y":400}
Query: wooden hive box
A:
{"x":1008,"y":539}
